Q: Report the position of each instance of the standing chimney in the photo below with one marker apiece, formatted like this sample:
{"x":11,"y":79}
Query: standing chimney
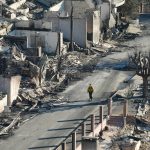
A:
{"x":39,"y":51}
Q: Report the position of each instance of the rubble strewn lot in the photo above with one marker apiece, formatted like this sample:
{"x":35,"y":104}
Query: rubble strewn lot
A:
{"x":136,"y":133}
{"x":43,"y":78}
{"x":131,"y":137}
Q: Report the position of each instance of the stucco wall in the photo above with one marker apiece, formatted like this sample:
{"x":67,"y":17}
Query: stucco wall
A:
{"x":10,"y":85}
{"x":3,"y":102}
{"x":46,"y":39}
{"x":79,"y":30}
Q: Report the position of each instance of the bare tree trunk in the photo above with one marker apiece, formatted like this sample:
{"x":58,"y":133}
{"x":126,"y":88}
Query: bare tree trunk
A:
{"x":145,"y":86}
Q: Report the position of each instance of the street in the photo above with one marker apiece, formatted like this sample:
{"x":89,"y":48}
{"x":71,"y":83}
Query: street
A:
{"x":48,"y":129}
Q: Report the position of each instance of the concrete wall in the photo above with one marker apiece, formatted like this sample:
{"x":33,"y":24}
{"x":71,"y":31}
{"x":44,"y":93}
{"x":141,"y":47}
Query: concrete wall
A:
{"x":96,"y":27}
{"x":89,"y":23}
{"x":46,"y":39}
{"x":40,"y":24}
{"x":90,"y":143}
{"x":79,"y":6}
{"x":37,"y":24}
{"x":3,"y":102}
{"x":10,"y":85}
{"x":14,"y":87}
{"x":105,"y":11}
{"x":23,"y":24}
{"x":62,"y":24}
{"x":96,"y":132}
{"x":52,"y":17}
{"x":93,"y":26}
{"x":79,"y":30}
{"x":55,"y":24}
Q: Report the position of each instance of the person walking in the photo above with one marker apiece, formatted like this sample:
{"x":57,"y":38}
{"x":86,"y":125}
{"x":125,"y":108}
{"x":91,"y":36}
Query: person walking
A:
{"x":90,"y":90}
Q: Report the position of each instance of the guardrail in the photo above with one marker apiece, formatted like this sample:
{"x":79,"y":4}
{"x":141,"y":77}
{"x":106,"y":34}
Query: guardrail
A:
{"x":94,"y":130}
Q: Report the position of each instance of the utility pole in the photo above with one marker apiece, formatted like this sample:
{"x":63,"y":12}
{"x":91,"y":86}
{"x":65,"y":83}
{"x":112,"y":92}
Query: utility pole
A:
{"x":1,"y":9}
{"x":71,"y":29}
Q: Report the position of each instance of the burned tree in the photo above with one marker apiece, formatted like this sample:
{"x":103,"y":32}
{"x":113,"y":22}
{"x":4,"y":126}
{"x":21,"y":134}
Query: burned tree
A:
{"x":142,"y":64}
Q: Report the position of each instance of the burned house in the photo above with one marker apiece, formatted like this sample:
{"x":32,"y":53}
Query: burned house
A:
{"x":88,"y":19}
{"x":23,"y":55}
{"x":39,"y":34}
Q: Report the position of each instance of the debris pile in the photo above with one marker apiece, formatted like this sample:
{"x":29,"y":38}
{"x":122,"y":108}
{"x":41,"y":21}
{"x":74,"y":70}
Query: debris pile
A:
{"x":127,"y":143}
{"x":131,"y":137}
{"x":127,"y":36}
{"x":45,"y":77}
{"x":8,"y":122}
